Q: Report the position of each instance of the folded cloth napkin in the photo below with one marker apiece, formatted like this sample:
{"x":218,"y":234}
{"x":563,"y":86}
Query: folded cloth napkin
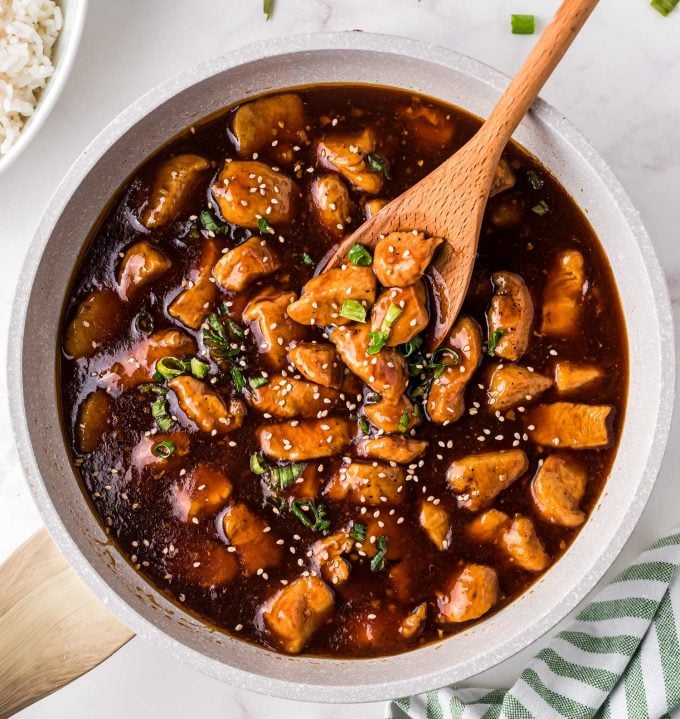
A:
{"x":618,"y":659}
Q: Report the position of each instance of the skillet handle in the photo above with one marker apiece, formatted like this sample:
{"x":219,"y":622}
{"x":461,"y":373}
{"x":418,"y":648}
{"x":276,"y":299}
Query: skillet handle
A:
{"x":52,"y":627}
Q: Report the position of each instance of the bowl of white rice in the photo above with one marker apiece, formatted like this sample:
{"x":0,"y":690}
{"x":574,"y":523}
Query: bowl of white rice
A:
{"x":38,"y":43}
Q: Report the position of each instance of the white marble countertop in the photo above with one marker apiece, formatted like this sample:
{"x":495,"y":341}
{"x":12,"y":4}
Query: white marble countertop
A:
{"x":619,"y":85}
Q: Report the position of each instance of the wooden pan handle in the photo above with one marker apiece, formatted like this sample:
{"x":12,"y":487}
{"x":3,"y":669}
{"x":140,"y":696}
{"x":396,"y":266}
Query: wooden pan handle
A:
{"x":52,"y":627}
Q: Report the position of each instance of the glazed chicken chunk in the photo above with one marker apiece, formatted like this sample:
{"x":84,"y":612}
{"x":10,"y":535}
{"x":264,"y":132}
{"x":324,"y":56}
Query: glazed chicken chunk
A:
{"x":436,"y":523}
{"x":557,"y":490}
{"x":570,"y":376}
{"x":322,"y":297}
{"x":256,"y":549}
{"x":141,"y":265}
{"x":384,"y":372}
{"x":427,"y":126}
{"x":392,"y":448}
{"x":145,"y":454}
{"x":328,"y":559}
{"x":206,"y":407}
{"x":331,"y":203}
{"x":510,"y":316}
{"x":177,"y":179}
{"x":565,"y":290}
{"x":512,"y":384}
{"x":503,"y":178}
{"x":193,"y":304}
{"x":272,"y":328}
{"x":267,"y":120}
{"x":401,"y":258}
{"x":410,"y":303}
{"x":297,"y":611}
{"x":373,"y":206}
{"x":201,"y":562}
{"x":200,"y":493}
{"x":478,"y":478}
{"x":97,"y":320}
{"x":569,"y":425}
{"x":350,"y":155}
{"x":285,"y":397}
{"x":296,"y":441}
{"x":247,"y":191}
{"x":246,"y":263}
{"x":94,"y":420}
{"x":446,"y":396}
{"x":412,"y":624}
{"x":318,"y":362}
{"x":470,"y":593}
{"x":366,"y":483}
{"x":398,"y":415}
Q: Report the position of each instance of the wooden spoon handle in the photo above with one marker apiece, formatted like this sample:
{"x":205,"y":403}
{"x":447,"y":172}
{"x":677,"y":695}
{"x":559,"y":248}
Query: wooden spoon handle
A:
{"x":534,"y":72}
{"x":52,"y":628}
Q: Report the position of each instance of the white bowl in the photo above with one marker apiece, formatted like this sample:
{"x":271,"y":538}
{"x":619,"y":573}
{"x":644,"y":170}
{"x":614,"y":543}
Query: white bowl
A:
{"x":63,"y":55}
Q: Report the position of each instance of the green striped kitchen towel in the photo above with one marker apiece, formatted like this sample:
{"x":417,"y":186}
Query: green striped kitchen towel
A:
{"x":618,"y":659}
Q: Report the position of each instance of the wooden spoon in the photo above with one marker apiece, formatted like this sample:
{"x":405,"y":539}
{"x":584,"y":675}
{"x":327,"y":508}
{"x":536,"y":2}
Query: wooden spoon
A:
{"x":450,"y":201}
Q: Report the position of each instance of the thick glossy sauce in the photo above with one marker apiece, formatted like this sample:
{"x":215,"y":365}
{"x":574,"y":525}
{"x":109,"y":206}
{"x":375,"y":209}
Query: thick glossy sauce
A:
{"x":136,"y":507}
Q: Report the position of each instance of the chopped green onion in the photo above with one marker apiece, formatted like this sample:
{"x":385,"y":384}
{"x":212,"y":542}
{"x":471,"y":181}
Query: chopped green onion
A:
{"x":258,"y":465}
{"x":238,"y":378}
{"x":408,"y":348}
{"x":256,"y":382}
{"x":170,"y":367}
{"x":440,"y":367}
{"x":358,"y":532}
{"x":364,"y":425}
{"x":359,"y":255}
{"x":144,"y":323}
{"x":393,"y":311}
{"x":404,"y":421}
{"x":494,"y":339}
{"x":378,"y":561}
{"x":263,"y":225}
{"x":159,"y":411}
{"x":301,"y":509}
{"x":522,"y":24}
{"x":199,"y":368}
{"x":534,"y":180}
{"x":152,"y":388}
{"x":307,"y":259}
{"x":542,"y":208}
{"x":235,"y":329}
{"x":285,"y":475}
{"x":378,"y":163}
{"x":163,"y":449}
{"x":376,"y":341}
{"x":208,"y":223}
{"x":268,"y":8}
{"x":665,"y":7}
{"x":353,"y":310}
{"x":218,"y":341}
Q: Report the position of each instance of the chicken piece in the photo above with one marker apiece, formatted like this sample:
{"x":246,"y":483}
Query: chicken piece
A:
{"x":176,"y":180}
{"x":322,"y":297}
{"x":201,"y":562}
{"x":436,"y":522}
{"x":566,"y":424}
{"x":193,"y":304}
{"x":401,"y":258}
{"x":297,"y":441}
{"x":413,"y":318}
{"x":256,"y":548}
{"x":295,"y":612}
{"x":141,"y":265}
{"x":478,"y":478}
{"x":350,"y":156}
{"x":510,"y":316}
{"x":570,"y":376}
{"x":563,"y":296}
{"x":145,"y":453}
{"x":402,"y":582}
{"x":446,"y":396}
{"x":285,"y":397}
{"x":503,"y":178}
{"x":328,"y":560}
{"x":137,"y":366}
{"x":200,"y":493}
{"x":391,"y":416}
{"x":412,"y":624}
{"x":330,"y":201}
{"x":206,"y":407}
{"x":272,"y":328}
{"x":97,"y":320}
{"x":471,"y":592}
{"x":375,"y":627}
{"x":318,"y":362}
{"x":511,"y":384}
{"x":506,"y":212}
{"x":392,"y":448}
{"x":279,"y":118}
{"x":373,"y":206}
{"x":246,"y":263}
{"x":308,"y":484}
{"x":516,"y":537}
{"x":370,"y":484}
{"x":557,"y":490}
{"x":247,"y":191}
{"x":94,"y":420}
{"x":384,"y":372}
{"x":427,"y":126}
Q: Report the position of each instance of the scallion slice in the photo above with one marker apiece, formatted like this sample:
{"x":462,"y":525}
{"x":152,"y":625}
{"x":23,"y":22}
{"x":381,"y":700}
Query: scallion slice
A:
{"x":494,"y":339}
{"x":258,"y":465}
{"x":159,"y":411}
{"x":358,"y":532}
{"x":665,"y":7}
{"x":268,"y":8}
{"x":376,"y":341}
{"x":144,"y":323}
{"x":263,"y":225}
{"x":256,"y":382}
{"x":404,"y":421}
{"x":283,"y":476}
{"x":317,"y":522}
{"x":170,"y":367}
{"x":359,"y":255}
{"x":522,"y":24}
{"x":238,"y":378}
{"x":199,"y":368}
{"x":542,"y":208}
{"x":378,"y":561}
{"x":353,"y":310}
{"x":377,"y":163}
{"x":163,"y":449}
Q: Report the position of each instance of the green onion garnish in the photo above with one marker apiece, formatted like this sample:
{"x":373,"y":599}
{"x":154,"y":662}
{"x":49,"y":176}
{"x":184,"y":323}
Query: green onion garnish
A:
{"x":307,"y":259}
{"x":263,"y":225}
{"x":494,"y":339}
{"x":364,"y":425}
{"x":268,"y":8}
{"x":376,"y":341}
{"x":199,"y":368}
{"x":208,"y":223}
{"x":542,"y":208}
{"x":258,"y":465}
{"x":522,"y":24}
{"x":408,"y":348}
{"x":238,"y":378}
{"x":301,"y":508}
{"x":404,"y":421}
{"x":378,"y":163}
{"x":353,"y":310}
{"x":160,"y":413}
{"x":665,"y":7}
{"x":256,"y":382}
{"x":163,"y":449}
{"x":358,"y":532}
{"x":169,"y":367}
{"x":144,"y":323}
{"x":219,"y":342}
{"x":535,"y":181}
{"x":152,"y":388}
{"x":439,"y":366}
{"x":283,"y":476}
{"x":393,"y":311}
{"x":359,"y":255}
{"x":378,"y":561}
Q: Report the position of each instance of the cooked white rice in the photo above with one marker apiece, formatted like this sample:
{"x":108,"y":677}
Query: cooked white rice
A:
{"x":28,"y":31}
